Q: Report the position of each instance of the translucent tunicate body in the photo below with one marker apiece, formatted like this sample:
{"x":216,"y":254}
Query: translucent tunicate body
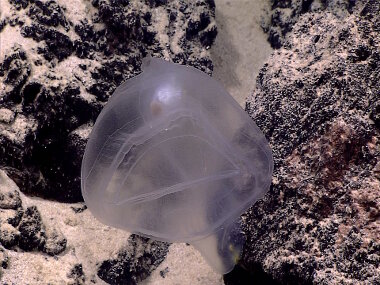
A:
{"x":172,"y":156}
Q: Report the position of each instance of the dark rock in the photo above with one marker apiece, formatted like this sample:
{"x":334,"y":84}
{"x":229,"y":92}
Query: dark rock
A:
{"x":10,"y":212}
{"x":3,"y":23}
{"x":10,"y":199}
{"x":156,"y":3}
{"x":15,"y":71}
{"x":55,"y":242}
{"x":164,"y":272}
{"x":195,"y":25}
{"x":202,"y":27}
{"x":19,"y":3}
{"x":77,"y":274}
{"x":83,"y":66}
{"x":87,"y":45}
{"x":57,"y":86}
{"x":47,"y":14}
{"x":79,"y":209}
{"x":208,"y":35}
{"x":285,"y":13}
{"x":4,"y":260}
{"x":135,"y":262}
{"x":32,"y":235}
{"x":25,"y":228}
{"x":15,"y":218}
{"x":316,"y":101}
{"x":9,"y":236}
{"x":55,"y":158}
{"x":120,"y":19}
{"x":57,"y":45}
{"x":30,"y":93}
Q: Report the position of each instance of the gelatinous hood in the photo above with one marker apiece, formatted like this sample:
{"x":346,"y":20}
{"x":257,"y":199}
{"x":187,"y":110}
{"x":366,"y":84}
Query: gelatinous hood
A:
{"x":173,"y":156}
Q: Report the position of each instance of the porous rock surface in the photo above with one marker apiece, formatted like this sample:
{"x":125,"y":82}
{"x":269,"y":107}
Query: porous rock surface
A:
{"x":22,"y":228}
{"x":285,"y":13}
{"x":318,"y":102}
{"x":135,"y":262}
{"x":60,"y":62}
{"x":3,"y":260}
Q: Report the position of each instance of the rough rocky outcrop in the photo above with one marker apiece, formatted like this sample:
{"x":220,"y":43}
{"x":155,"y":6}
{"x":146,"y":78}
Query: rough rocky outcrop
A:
{"x":77,"y":275}
{"x":3,"y":260}
{"x":318,"y":102}
{"x":60,"y":62}
{"x":134,"y":262}
{"x":285,"y":13}
{"x":24,"y":228}
{"x":60,"y":66}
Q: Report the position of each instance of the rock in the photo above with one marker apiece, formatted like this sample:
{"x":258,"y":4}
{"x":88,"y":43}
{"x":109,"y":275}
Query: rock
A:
{"x":32,"y":235}
{"x":317,"y":102}
{"x":11,"y":217}
{"x":164,"y":272}
{"x":79,"y":209}
{"x":9,"y":236}
{"x":6,"y":115}
{"x":35,"y":236}
{"x":55,"y":242}
{"x":24,"y":228}
{"x":285,"y":13}
{"x":14,"y":70}
{"x":9,"y":195}
{"x":4,"y":260}
{"x":10,"y":212}
{"x":60,"y":66}
{"x":77,"y":274}
{"x":135,"y":262}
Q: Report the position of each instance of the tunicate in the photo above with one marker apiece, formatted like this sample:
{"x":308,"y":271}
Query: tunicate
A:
{"x":173,"y":157}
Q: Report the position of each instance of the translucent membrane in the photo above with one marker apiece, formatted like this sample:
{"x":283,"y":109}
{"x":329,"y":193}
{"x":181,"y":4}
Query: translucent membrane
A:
{"x":172,"y":156}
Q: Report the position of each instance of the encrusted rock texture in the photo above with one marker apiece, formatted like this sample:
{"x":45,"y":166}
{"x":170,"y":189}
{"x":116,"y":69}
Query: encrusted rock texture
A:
{"x":23,"y":228}
{"x":285,"y":13}
{"x":61,"y":61}
{"x":135,"y":262}
{"x":318,"y":102}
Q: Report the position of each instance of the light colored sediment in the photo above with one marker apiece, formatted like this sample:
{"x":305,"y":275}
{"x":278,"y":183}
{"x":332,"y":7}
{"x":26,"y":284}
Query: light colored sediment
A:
{"x":241,"y":47}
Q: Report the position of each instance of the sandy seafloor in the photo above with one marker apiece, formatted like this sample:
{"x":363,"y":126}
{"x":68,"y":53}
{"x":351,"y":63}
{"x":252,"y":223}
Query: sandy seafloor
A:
{"x":240,"y":50}
{"x":241,"y":47}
